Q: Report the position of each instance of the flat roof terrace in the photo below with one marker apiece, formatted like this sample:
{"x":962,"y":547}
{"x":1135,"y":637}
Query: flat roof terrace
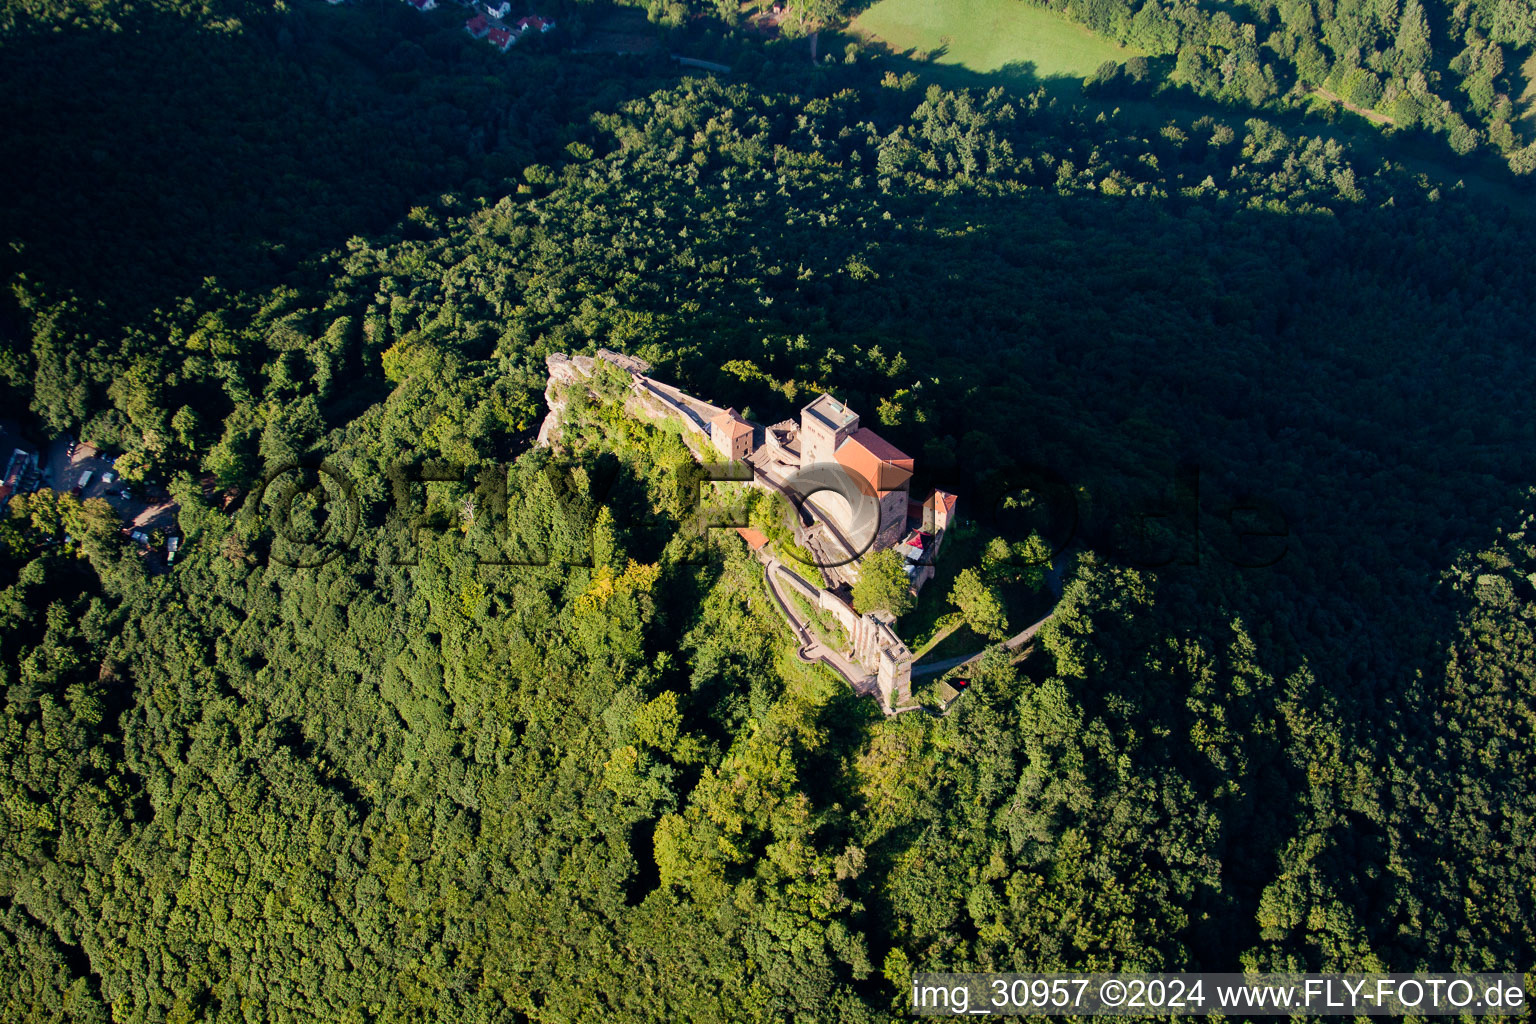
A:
{"x":831,"y":412}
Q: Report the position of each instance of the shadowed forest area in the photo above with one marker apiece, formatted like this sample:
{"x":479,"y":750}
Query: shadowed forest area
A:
{"x":1282,"y":718}
{"x":150,"y":147}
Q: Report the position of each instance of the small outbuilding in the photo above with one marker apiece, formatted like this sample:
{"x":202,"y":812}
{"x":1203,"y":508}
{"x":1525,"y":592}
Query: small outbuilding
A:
{"x":731,"y":435}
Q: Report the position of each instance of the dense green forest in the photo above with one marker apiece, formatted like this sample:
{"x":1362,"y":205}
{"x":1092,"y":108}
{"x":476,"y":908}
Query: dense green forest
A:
{"x":1454,"y":70}
{"x":1268,"y":394}
{"x":1458,"y":72}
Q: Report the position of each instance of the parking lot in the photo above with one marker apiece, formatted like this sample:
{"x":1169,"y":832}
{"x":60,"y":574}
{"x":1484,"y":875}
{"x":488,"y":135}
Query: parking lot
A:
{"x":138,"y":508}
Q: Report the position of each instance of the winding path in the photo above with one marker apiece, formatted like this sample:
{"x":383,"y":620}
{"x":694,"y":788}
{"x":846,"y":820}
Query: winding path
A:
{"x":1374,"y":116}
{"x":812,"y":650}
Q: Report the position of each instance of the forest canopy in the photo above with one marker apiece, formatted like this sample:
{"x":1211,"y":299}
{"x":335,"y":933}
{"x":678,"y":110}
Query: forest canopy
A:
{"x":1266,"y":394}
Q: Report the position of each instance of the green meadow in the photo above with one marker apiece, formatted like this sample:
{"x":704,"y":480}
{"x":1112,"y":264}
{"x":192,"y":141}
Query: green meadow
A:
{"x":1527,"y":103}
{"x":989,"y":36}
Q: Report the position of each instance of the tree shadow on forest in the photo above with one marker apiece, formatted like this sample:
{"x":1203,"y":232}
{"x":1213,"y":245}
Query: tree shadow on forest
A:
{"x":1187,"y":362}
{"x":1148,"y":106}
{"x":141,"y":160}
{"x":1362,"y":374}
{"x":1018,"y":75}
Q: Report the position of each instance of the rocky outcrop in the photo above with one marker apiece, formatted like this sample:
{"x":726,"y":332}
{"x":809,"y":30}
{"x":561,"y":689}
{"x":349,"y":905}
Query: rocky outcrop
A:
{"x":632,"y":364}
{"x":564,"y":372}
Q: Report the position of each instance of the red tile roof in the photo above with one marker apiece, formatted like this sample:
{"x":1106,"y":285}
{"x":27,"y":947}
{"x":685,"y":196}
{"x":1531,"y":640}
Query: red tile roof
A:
{"x":754,"y":538}
{"x":880,"y":448}
{"x":499,"y":36}
{"x":733,"y":425}
{"x":476,"y":24}
{"x":885,"y":466}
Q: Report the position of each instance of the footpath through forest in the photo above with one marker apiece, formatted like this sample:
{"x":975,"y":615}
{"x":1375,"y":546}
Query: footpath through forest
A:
{"x":812,"y":650}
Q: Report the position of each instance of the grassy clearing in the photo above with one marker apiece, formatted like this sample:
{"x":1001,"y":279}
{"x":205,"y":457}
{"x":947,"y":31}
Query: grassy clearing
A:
{"x":962,"y":643}
{"x":1526,"y":105}
{"x":821,"y":623}
{"x":989,"y":37}
{"x":944,"y":628}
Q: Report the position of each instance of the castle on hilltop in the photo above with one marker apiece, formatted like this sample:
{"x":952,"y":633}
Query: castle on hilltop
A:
{"x":828,"y":433}
{"x":850,"y":486}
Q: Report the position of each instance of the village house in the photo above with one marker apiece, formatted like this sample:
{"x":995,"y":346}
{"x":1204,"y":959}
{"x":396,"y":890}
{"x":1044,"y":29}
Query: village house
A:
{"x":490,"y":26}
{"x":17,"y":469}
{"x":534,"y":23}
